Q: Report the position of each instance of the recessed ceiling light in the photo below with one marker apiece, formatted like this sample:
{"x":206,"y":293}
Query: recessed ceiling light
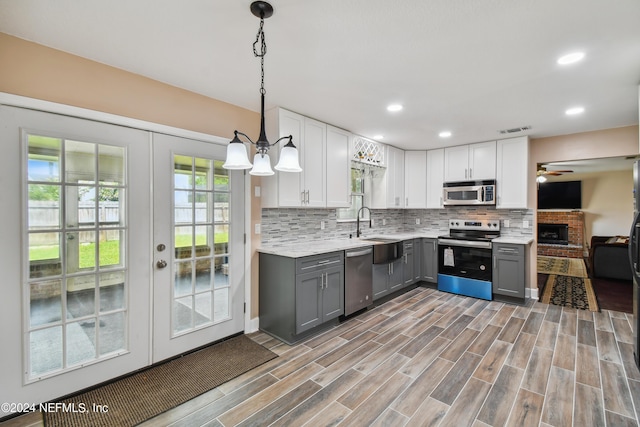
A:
{"x":378,"y":137}
{"x":570,"y":58}
{"x":575,"y":110}
{"x":444,"y":134}
{"x":394,"y":107}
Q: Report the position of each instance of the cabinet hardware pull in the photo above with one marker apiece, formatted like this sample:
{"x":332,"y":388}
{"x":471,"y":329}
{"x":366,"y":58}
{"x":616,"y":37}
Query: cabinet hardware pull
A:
{"x":470,"y":173}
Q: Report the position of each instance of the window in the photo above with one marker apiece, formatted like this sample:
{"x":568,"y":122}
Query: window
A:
{"x":361,"y":178}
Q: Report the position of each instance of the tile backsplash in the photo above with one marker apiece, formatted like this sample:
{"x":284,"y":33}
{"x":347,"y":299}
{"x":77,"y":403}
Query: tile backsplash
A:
{"x":282,"y":226}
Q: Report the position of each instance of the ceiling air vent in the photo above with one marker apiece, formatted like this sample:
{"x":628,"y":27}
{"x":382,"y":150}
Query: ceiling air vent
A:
{"x":514,"y":130}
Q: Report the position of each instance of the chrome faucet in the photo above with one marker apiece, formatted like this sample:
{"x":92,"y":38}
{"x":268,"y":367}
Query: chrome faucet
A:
{"x":358,"y":220}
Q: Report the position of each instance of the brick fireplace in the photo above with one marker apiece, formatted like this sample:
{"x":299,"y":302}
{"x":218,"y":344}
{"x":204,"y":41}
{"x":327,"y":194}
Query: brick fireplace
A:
{"x":573,"y":245}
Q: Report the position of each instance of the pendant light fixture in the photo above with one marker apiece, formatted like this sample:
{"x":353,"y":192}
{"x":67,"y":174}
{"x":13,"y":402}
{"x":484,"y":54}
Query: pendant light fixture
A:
{"x":236,"y":151}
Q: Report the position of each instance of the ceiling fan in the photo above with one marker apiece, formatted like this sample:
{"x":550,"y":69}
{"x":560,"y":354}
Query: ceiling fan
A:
{"x":542,"y":173}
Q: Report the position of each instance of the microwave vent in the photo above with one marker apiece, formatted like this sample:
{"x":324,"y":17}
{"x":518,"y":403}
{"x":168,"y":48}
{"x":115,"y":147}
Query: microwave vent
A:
{"x":514,"y":130}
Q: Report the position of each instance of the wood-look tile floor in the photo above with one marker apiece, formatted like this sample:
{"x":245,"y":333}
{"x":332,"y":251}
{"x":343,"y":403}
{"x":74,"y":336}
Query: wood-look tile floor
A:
{"x":432,"y":358}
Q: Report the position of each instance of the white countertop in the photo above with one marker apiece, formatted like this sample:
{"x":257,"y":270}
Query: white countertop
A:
{"x":314,"y":247}
{"x":317,"y":247}
{"x":516,"y":240}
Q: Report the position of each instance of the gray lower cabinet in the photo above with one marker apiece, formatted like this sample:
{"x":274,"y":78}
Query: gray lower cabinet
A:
{"x":388,"y":278}
{"x":509,"y":270}
{"x":298,"y":294}
{"x":429,"y":260}
{"x":409,"y":267}
{"x":319,"y":297}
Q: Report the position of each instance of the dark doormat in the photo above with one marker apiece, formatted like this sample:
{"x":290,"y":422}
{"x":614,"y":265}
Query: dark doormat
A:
{"x":145,"y":394}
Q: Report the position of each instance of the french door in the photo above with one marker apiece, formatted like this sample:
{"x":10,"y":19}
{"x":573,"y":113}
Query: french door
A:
{"x":198,"y":246}
{"x":85,"y":210}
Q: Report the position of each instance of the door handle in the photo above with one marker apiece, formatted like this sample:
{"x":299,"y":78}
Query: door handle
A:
{"x":632,"y":249}
{"x":161,"y":264}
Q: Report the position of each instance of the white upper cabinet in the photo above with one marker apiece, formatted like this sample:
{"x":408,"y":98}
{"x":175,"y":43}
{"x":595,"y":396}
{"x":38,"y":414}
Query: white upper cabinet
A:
{"x":470,"y":162}
{"x":314,"y":167}
{"x":324,"y":159}
{"x":415,"y":179}
{"x":395,"y":177}
{"x":512,"y":170}
{"x":338,"y":168}
{"x":435,"y":178}
{"x":285,"y":188}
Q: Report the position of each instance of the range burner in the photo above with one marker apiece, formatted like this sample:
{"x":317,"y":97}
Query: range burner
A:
{"x":478,"y":230}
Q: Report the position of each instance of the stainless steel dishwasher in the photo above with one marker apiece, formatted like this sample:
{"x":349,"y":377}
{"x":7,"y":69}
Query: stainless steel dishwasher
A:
{"x":358,"y":281}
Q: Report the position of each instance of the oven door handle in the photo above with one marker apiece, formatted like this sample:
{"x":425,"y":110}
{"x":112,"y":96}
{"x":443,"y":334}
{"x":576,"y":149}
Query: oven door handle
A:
{"x":465,"y":243}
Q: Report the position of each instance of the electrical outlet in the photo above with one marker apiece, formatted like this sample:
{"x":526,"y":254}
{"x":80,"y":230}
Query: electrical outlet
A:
{"x":417,"y":221}
{"x":525,"y":224}
{"x":372,"y":222}
{"x":256,"y":191}
{"x":321,"y":225}
{"x":506,"y":223}
{"x":257,"y":229}
{"x":384,"y":221}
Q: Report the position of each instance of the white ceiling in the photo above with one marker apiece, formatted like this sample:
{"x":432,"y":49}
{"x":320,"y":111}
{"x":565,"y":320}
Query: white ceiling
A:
{"x":468,"y":66}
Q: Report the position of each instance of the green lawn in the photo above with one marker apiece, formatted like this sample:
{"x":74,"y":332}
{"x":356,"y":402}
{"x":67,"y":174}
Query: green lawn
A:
{"x":201,"y":239}
{"x":110,"y":250}
{"x":109,"y":253}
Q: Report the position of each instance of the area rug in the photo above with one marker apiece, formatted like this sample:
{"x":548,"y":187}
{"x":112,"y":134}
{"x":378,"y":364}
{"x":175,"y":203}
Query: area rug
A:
{"x":562,"y":266}
{"x":570,"y":291}
{"x":143,"y":395}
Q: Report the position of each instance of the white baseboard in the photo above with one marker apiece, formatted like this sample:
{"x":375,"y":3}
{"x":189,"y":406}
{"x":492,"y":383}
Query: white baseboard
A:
{"x":531,"y":293}
{"x":252,"y":326}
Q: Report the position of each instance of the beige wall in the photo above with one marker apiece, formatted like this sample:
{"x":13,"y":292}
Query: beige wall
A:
{"x":35,"y":71}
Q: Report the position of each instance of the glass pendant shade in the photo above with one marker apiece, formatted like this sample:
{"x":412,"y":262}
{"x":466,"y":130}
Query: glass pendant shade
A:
{"x":261,"y":165}
{"x":288,"y":160}
{"x":237,"y":156}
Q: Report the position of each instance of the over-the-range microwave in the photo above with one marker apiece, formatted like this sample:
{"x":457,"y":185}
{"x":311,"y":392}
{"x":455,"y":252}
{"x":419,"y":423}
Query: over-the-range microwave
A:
{"x":463,"y":193}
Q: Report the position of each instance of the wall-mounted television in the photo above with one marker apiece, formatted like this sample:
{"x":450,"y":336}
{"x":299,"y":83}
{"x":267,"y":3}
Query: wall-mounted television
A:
{"x":560,"y":195}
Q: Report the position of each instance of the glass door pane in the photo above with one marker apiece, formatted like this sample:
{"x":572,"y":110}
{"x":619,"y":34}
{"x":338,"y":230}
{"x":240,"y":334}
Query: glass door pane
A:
{"x":201,"y":241}
{"x":76,"y":232}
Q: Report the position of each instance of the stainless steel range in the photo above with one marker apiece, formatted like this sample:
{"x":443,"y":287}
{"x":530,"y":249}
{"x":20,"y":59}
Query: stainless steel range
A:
{"x":464,"y":257}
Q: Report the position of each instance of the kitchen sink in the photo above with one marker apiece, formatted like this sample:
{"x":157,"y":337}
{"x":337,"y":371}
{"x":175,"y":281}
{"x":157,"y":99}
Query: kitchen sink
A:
{"x":385,"y":250}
